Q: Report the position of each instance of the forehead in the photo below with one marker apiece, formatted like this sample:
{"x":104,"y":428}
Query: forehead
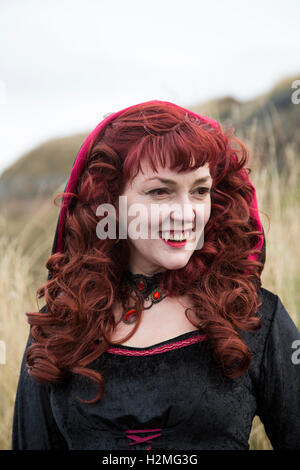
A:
{"x":165,"y":172}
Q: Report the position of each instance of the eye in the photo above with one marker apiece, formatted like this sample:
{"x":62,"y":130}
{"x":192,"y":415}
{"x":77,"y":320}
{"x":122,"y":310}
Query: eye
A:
{"x":157,"y":190}
{"x":161,"y":191}
{"x":203,"y":191}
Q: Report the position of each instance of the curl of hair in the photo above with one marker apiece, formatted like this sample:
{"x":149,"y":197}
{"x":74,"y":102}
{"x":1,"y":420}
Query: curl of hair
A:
{"x":86,"y":278}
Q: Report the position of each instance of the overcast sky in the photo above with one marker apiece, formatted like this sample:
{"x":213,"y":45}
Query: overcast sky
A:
{"x":66,"y":63}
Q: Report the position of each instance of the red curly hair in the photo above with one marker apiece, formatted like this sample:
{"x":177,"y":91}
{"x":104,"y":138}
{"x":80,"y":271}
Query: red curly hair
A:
{"x":86,"y":278}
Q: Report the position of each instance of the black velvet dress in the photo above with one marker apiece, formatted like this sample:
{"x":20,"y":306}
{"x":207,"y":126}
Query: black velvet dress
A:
{"x":171,"y":395}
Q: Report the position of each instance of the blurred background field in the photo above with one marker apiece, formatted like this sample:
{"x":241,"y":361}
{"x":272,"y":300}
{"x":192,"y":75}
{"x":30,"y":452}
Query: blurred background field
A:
{"x":269,"y":126}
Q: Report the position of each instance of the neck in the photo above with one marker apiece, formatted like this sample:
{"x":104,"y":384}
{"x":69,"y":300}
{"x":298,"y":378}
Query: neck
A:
{"x":149,"y":272}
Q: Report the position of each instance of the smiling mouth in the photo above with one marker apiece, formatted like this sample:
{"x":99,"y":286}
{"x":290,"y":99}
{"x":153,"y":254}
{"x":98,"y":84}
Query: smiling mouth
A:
{"x":175,"y":237}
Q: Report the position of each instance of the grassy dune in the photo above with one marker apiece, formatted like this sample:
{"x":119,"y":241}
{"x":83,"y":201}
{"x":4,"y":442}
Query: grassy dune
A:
{"x":21,"y":272}
{"x":278,"y":198}
{"x":23,"y":256}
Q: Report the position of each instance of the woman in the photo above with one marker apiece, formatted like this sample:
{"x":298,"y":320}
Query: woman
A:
{"x":166,"y":340}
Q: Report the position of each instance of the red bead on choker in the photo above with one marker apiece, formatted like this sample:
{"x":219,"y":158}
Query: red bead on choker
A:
{"x":148,"y":287}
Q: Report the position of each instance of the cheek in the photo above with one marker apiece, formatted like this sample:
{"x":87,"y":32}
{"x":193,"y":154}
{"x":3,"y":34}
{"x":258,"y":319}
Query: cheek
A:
{"x":203,"y":213}
{"x":207,"y":210}
{"x":139,"y":226}
{"x":145,"y":248}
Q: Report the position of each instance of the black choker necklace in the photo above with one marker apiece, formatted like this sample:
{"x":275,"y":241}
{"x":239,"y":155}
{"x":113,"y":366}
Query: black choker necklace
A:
{"x":145,"y":286}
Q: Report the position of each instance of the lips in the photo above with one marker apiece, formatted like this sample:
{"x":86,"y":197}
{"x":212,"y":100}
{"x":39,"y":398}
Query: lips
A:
{"x":174,"y":244}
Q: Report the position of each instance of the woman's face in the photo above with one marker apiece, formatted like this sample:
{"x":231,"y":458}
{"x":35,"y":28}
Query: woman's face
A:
{"x":161,"y":209}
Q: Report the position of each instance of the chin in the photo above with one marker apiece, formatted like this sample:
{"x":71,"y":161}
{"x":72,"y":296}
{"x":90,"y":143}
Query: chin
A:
{"x":176,"y":264}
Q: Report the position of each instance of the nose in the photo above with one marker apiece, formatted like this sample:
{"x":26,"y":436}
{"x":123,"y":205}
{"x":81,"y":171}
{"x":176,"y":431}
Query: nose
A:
{"x":184,"y":215}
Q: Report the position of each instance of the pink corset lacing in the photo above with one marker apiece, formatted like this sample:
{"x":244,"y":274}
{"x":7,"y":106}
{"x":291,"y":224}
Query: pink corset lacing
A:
{"x":140,"y":439}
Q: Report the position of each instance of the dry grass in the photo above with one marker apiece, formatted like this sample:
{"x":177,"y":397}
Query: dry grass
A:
{"x":21,"y":272}
{"x":278,"y":198}
{"x":23,"y":256}
{"x":16,"y":286}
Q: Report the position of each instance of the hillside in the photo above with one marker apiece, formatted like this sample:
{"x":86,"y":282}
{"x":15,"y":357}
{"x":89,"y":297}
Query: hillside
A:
{"x":270,"y":114}
{"x":35,"y":177}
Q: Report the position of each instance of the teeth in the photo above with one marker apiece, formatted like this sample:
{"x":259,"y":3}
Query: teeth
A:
{"x":177,"y":236}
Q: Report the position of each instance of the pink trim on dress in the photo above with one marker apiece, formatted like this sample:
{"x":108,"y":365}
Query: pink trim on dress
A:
{"x":157,"y":349}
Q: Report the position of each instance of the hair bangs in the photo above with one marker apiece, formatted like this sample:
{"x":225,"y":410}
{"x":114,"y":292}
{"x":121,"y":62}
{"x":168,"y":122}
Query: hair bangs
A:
{"x":183,"y":149}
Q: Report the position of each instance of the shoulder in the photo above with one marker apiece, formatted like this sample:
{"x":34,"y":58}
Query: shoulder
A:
{"x":256,"y":339}
{"x":277,"y":332}
{"x":268,"y":304}
{"x":273,"y":313}
{"x":268,"y":297}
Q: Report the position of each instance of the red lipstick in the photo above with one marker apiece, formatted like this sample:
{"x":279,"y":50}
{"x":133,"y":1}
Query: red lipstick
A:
{"x":173,"y":244}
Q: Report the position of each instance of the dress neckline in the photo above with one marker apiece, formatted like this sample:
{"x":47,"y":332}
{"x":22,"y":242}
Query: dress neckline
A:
{"x":184,"y":339}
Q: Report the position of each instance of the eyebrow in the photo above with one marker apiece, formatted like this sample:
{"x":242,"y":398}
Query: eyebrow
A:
{"x":204,"y":179}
